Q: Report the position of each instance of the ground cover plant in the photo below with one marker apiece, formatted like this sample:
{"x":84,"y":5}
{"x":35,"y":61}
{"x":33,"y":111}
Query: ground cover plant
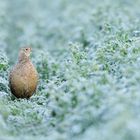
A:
{"x":87,"y":54}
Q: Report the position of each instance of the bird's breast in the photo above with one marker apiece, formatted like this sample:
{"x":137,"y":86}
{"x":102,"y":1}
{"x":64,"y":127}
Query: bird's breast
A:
{"x":24,"y":79}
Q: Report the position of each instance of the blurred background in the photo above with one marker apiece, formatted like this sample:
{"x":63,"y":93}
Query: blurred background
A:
{"x":87,"y":55}
{"x":43,"y":24}
{"x":51,"y":25}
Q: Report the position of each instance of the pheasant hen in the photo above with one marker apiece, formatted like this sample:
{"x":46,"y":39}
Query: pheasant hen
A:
{"x":23,"y":77}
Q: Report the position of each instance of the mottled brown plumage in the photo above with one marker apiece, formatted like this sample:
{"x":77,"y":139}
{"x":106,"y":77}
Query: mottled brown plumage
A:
{"x":23,"y":77}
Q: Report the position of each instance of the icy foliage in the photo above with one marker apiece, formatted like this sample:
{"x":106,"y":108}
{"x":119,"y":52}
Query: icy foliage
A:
{"x":87,"y":54}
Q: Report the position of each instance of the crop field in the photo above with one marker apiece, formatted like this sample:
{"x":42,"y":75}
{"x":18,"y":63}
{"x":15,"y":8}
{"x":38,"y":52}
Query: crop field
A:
{"x":87,"y":54}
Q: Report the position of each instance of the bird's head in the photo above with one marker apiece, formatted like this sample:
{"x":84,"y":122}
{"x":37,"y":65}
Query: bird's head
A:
{"x":24,"y":54}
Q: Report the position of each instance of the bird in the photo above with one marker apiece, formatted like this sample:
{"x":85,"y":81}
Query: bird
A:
{"x":23,"y":78}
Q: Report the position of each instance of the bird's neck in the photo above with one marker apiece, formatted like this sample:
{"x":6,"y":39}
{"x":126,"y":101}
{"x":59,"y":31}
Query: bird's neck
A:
{"x":23,"y":59}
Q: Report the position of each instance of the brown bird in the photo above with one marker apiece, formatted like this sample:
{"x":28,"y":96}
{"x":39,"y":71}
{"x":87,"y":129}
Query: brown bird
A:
{"x":23,"y":77}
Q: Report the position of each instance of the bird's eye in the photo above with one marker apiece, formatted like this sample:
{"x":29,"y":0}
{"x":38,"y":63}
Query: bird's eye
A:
{"x":26,"y":49}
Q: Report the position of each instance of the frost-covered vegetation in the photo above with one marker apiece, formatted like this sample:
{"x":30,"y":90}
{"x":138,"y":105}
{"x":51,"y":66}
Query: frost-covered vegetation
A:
{"x":87,"y":54}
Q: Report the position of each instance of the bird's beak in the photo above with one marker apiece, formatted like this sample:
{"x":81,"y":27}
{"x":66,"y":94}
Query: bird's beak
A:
{"x":30,"y":49}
